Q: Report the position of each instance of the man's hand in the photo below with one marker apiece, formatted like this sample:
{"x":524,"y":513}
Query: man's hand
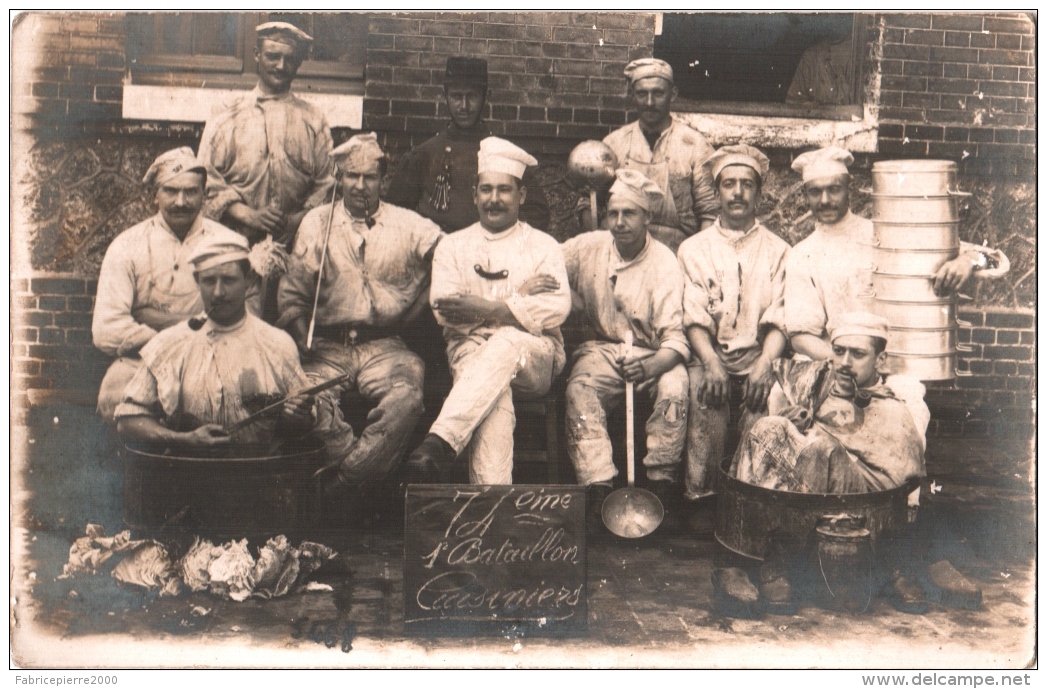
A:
{"x":297,"y":413}
{"x":633,"y":369}
{"x":463,"y":309}
{"x":155,"y":318}
{"x":207,"y":435}
{"x":268,"y":220}
{"x":539,"y":284}
{"x":952,"y":275}
{"x":758,"y":385}
{"x":714,"y":390}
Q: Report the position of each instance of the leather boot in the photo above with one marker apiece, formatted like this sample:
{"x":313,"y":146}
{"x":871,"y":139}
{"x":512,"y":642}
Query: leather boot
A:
{"x":734,"y":594}
{"x":905,"y":594}
{"x":775,"y":589}
{"x":429,"y":462}
{"x":667,"y":493}
{"x":948,"y":587}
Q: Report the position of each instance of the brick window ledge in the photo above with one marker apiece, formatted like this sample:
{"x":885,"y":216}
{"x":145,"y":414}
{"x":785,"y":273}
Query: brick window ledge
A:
{"x":195,"y":104}
{"x":857,"y":134}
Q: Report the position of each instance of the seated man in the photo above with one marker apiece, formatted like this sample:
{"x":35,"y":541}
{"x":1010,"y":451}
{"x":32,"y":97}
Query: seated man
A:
{"x":835,"y":427}
{"x":500,"y":292}
{"x":734,"y":278}
{"x":145,"y":284}
{"x":630,"y":288}
{"x":194,"y":383}
{"x":375,"y":281}
{"x":819,"y":286}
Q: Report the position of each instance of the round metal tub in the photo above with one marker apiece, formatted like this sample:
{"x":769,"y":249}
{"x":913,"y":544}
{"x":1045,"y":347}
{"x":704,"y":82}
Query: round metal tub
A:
{"x":747,"y":516}
{"x":242,"y":491}
{"x":916,"y":237}
{"x":911,"y":261}
{"x":914,"y":177}
{"x":915,"y":210}
{"x":922,"y":366}
{"x":914,"y":314}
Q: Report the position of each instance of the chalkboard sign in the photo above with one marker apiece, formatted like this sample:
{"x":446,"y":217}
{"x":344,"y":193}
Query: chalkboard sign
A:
{"x":495,"y":560}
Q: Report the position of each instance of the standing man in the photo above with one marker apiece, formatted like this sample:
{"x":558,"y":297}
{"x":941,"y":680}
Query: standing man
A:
{"x":735,"y":278}
{"x":830,"y":272}
{"x":146,"y":282}
{"x":436,"y":178}
{"x":268,"y":155}
{"x":375,"y":280}
{"x":668,"y":152}
{"x":196,"y":382}
{"x":631,"y":290}
{"x":500,"y":292}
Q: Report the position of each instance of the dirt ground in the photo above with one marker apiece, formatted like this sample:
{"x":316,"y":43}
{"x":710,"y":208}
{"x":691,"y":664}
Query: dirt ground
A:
{"x":650,"y":600}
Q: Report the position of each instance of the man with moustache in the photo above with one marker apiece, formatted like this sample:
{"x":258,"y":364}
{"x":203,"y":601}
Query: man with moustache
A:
{"x":630,"y":289}
{"x":735,"y":272}
{"x":830,"y":272}
{"x":146,"y":283}
{"x":374,"y":283}
{"x":268,"y":154}
{"x":194,"y":383}
{"x":500,"y":292}
{"x":436,"y":178}
{"x":668,"y":152}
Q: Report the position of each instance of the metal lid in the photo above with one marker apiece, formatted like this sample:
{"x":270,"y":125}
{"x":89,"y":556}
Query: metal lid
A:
{"x":914,"y":166}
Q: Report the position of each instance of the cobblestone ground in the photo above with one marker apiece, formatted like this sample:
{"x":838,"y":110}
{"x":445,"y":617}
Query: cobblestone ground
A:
{"x":649,"y":600}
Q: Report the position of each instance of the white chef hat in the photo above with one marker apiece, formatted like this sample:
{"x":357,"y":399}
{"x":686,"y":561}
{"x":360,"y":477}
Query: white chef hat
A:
{"x":636,"y":187}
{"x":858,"y":323}
{"x":498,"y":155}
{"x":216,"y":249}
{"x":738,"y":154}
{"x":825,"y":162}
{"x":648,"y":67}
{"x":359,"y":151}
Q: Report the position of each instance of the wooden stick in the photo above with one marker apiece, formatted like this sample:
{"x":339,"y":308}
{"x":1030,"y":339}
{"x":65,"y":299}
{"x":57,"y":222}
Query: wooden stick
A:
{"x":320,"y":272}
{"x":592,"y":208}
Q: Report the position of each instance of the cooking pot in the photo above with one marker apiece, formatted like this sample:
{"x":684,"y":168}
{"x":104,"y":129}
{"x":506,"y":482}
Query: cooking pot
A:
{"x":906,"y":288}
{"x":748,"y":517}
{"x":922,"y":366}
{"x":923,"y":340}
{"x":919,"y":237}
{"x":916,"y":210}
{"x":911,"y":261}
{"x":914,"y":177}
{"x":914,"y":314}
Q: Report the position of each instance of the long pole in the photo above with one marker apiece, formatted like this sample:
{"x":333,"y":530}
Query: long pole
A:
{"x":320,"y":272}
{"x":630,"y":450}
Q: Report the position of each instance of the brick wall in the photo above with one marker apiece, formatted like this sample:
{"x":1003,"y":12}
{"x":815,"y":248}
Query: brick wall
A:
{"x":555,"y":78}
{"x":552,"y":84}
{"x":69,"y":68}
{"x":962,"y":87}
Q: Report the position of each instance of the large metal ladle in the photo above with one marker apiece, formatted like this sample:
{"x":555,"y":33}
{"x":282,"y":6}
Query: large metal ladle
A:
{"x":590,"y":167}
{"x":631,"y":512}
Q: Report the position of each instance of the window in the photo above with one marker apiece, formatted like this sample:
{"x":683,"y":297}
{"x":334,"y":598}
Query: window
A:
{"x":216,"y":49}
{"x":764,"y":64}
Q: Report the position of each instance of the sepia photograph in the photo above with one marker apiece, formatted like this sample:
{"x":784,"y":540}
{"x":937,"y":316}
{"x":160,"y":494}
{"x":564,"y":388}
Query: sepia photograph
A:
{"x":523,"y":339}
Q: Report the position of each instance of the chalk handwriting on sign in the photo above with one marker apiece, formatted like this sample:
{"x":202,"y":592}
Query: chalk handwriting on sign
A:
{"x":494,"y":559}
